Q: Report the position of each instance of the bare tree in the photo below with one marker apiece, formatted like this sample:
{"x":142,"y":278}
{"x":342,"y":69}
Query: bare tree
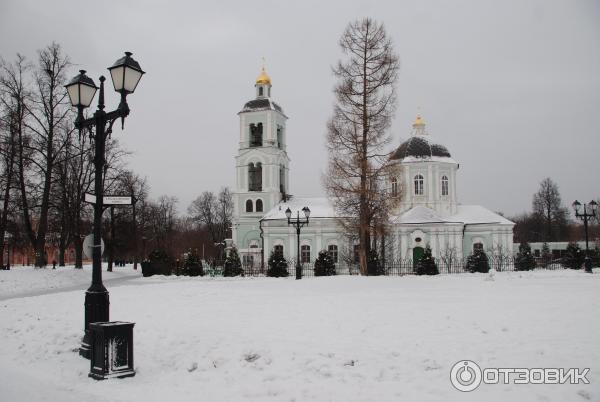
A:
{"x":137,"y":187}
{"x":48,"y":110}
{"x":548,"y":206}
{"x":357,"y":132}
{"x":213,"y":212}
{"x":13,"y":95}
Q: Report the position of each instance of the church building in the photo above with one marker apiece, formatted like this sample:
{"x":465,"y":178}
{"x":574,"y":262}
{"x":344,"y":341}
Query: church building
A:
{"x":428,"y":214}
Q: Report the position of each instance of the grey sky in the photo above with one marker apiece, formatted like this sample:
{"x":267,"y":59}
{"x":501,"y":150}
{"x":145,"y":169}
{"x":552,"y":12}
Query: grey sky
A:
{"x":512,"y":88}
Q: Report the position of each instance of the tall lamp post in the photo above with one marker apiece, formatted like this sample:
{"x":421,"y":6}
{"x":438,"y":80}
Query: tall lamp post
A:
{"x":298,"y":224}
{"x":126,"y":74}
{"x":589,"y":211}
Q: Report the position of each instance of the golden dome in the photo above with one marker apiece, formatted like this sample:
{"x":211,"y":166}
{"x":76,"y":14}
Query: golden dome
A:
{"x":419,"y":121}
{"x":263,"y":78}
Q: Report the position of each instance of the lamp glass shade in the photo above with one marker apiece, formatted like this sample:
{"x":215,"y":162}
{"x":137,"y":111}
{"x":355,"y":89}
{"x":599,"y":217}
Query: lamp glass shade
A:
{"x":81,"y":90}
{"x":126,"y":74}
{"x":306,"y":212}
{"x":576,"y":206}
{"x":288,"y":213}
{"x":593,"y":205}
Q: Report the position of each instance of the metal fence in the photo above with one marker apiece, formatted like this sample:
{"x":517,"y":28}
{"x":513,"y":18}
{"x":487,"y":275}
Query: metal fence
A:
{"x":392,"y":268}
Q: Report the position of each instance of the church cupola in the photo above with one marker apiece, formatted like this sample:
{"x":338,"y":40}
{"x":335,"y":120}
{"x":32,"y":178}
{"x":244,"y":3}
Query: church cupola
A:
{"x":263,"y":85}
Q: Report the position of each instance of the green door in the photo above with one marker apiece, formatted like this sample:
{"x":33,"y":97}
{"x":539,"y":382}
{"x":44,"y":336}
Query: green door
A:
{"x":417,"y":254}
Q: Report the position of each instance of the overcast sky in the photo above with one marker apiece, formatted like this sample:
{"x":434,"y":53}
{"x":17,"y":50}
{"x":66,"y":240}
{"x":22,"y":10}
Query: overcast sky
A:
{"x":512,"y":88}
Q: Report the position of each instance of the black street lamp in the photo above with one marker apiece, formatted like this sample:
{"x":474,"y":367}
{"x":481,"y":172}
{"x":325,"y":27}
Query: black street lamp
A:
{"x":298,"y":224}
{"x":589,"y":211}
{"x":126,"y":74}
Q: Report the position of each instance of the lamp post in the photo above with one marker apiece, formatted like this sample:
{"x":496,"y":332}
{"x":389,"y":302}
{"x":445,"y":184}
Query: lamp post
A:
{"x":126,"y":74}
{"x":589,"y":211}
{"x":298,"y":224}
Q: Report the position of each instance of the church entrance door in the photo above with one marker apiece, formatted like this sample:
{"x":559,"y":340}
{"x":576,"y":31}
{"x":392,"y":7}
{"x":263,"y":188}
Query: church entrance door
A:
{"x":417,"y":254}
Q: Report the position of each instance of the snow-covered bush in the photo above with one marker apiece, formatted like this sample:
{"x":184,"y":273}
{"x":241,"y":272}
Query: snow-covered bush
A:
{"x":574,"y":257}
{"x":524,"y":260}
{"x":324,"y":265}
{"x":374,"y":266}
{"x":159,"y":263}
{"x":278,"y":266}
{"x":192,"y":265}
{"x":478,"y":262}
{"x":426,"y":264}
{"x":233,"y":265}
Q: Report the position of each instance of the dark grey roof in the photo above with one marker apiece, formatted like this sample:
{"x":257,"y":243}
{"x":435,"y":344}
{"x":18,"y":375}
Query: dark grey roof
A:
{"x":420,"y":147}
{"x":261,"y":104}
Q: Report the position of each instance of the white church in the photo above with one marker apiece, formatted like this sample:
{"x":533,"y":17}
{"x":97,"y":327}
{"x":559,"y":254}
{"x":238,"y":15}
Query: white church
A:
{"x":428,"y":212}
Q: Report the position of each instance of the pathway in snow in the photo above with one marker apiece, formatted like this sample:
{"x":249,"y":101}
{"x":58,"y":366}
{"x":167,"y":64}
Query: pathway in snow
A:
{"x":113,"y":282}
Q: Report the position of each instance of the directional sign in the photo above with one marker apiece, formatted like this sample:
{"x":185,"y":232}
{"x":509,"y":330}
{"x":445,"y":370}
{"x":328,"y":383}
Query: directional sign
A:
{"x":109,"y":199}
{"x":116,"y":200}
{"x":88,"y":245}
{"x":90,"y":198}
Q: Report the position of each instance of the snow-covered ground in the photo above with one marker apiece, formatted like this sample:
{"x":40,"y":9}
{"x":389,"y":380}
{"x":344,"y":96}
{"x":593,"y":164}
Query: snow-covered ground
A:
{"x":318,"y":339}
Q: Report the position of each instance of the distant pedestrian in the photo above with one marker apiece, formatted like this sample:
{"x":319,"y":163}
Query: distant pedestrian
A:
{"x":53,"y":264}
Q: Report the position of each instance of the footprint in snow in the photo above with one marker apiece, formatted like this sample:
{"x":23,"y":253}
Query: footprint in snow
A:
{"x":251,"y":357}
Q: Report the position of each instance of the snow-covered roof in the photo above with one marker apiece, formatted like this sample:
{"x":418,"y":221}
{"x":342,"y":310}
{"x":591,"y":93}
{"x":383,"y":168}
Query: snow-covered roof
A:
{"x":474,"y":214}
{"x":420,"y":214}
{"x":466,"y":214}
{"x":320,"y":207}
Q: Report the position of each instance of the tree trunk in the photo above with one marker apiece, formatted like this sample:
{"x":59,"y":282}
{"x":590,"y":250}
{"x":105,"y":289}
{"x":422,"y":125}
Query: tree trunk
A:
{"x":78,"y":251}
{"x":62,"y":247}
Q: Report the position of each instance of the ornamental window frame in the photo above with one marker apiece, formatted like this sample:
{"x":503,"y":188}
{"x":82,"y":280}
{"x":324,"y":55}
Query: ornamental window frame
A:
{"x":445,"y":186}
{"x":419,"y":184}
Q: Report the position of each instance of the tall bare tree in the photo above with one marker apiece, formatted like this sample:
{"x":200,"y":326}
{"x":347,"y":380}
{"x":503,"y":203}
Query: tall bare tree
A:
{"x":548,"y":206}
{"x":48,"y":110}
{"x":357,"y":132}
{"x":13,"y":95}
{"x":137,"y":187}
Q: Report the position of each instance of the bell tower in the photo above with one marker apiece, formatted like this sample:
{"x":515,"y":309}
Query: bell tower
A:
{"x":262,"y":168}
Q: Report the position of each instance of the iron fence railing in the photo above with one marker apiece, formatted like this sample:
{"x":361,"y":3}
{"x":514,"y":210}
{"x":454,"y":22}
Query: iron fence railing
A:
{"x":392,"y":267}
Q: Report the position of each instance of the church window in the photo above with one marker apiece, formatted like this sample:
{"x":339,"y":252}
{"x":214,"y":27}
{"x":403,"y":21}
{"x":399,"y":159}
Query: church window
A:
{"x":333,"y":252}
{"x":248,"y":260}
{"x":259,"y":206}
{"x":305,"y":254}
{"x":256,"y":135}
{"x":278,"y":249}
{"x":394,"y":187}
{"x":279,"y":137}
{"x":419,"y":185}
{"x":248,"y":205}
{"x":255,"y":177}
{"x":444,"y":185}
{"x":260,"y":91}
{"x":281,"y":179}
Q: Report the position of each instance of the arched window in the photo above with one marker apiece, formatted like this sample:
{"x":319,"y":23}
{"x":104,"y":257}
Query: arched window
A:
{"x":282,"y":179}
{"x":258,"y":176}
{"x":260,"y":91}
{"x":419,"y":185}
{"x":305,"y":253}
{"x":251,"y":176}
{"x":248,"y":205}
{"x":256,"y":135}
{"x":255,"y":177}
{"x":259,"y":206}
{"x":278,"y":249}
{"x":444,"y":185}
{"x":333,"y":252}
{"x":394,"y":187}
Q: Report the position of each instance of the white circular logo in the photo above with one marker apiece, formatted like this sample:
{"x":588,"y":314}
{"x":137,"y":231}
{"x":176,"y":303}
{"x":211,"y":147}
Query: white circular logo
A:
{"x":465,"y":375}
